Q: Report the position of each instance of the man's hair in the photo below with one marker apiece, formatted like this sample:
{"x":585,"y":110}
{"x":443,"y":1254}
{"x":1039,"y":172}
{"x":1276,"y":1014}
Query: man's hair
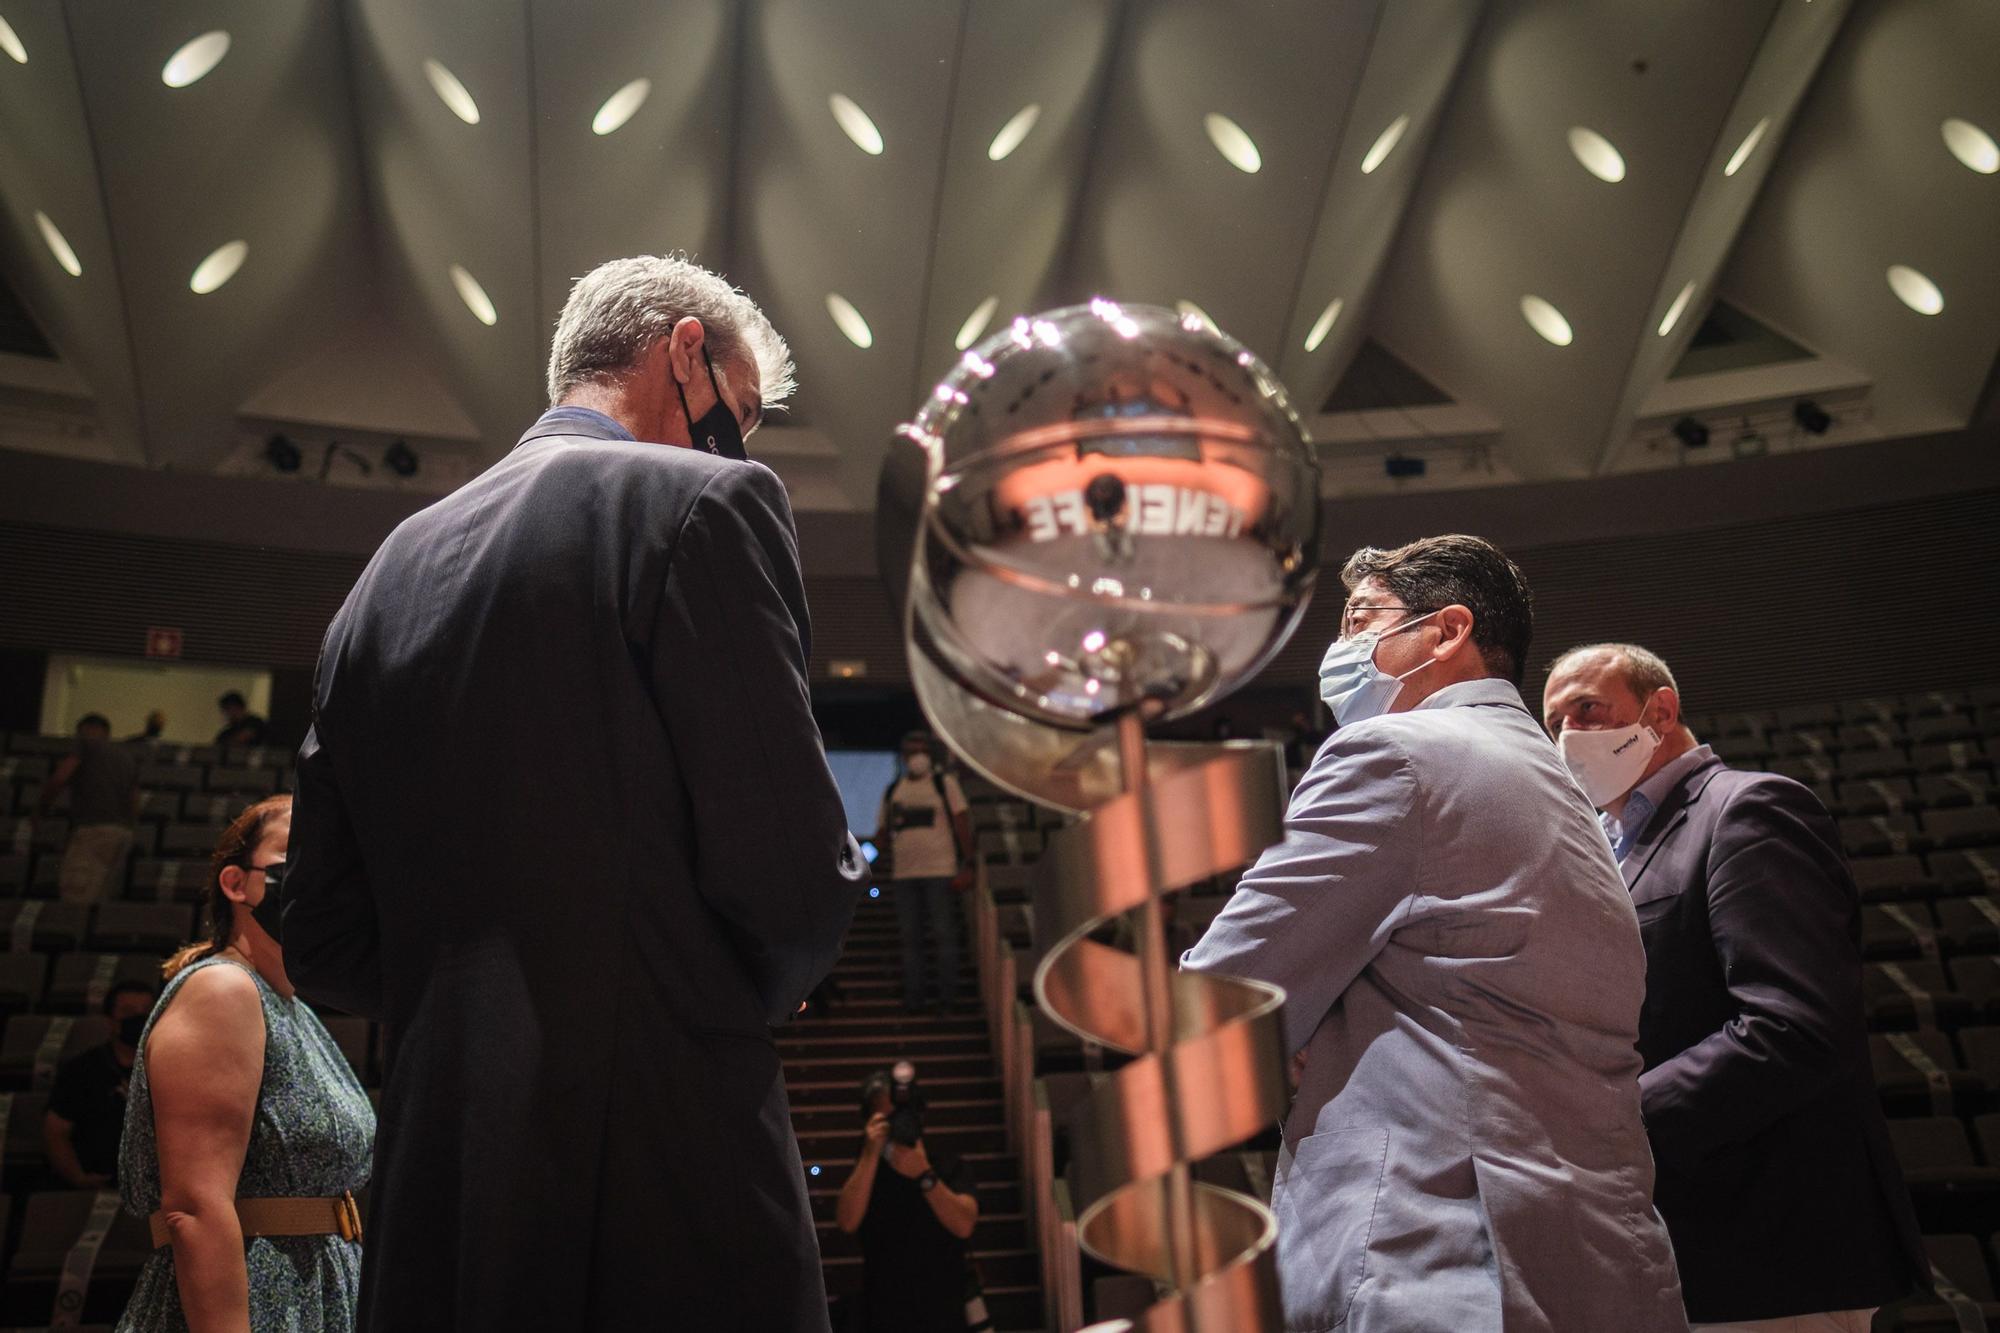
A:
{"x":233,"y":699}
{"x":615,"y":311}
{"x":1465,"y":571}
{"x":97,"y":720}
{"x":1642,"y":669}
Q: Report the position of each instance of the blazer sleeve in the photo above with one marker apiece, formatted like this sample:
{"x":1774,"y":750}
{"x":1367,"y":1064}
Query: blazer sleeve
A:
{"x":1318,"y":906}
{"x":331,"y":943}
{"x":728,"y":659}
{"x":1781,"y":908}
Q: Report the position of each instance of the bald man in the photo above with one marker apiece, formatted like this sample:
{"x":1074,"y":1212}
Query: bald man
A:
{"x":1773,"y":1166}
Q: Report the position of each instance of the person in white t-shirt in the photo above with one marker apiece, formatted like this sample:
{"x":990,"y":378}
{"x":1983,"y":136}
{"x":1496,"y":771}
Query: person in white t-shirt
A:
{"x":925,"y":835}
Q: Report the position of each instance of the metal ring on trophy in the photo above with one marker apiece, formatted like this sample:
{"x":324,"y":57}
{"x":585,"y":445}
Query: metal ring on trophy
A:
{"x":1107,"y":516}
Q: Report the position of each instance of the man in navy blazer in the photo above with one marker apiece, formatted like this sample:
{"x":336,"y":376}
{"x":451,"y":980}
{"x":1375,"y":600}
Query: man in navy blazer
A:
{"x":565,"y":826}
{"x":1774,"y":1168}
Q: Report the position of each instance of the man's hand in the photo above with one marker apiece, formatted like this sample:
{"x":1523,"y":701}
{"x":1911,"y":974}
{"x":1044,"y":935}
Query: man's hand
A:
{"x":875,"y":1134}
{"x":912,"y":1161}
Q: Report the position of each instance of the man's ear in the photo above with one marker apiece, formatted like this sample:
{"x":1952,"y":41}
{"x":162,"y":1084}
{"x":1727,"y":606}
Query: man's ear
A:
{"x":1454,"y":624}
{"x":1665,"y":705}
{"x":232,"y":880}
{"x":684,"y":344}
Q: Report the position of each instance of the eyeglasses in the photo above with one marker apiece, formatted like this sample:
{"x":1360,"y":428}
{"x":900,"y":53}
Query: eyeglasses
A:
{"x":1350,"y":612}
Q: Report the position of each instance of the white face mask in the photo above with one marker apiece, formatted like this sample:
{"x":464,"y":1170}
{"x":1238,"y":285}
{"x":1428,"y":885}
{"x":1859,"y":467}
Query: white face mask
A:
{"x":1607,"y":764}
{"x":919,"y":765}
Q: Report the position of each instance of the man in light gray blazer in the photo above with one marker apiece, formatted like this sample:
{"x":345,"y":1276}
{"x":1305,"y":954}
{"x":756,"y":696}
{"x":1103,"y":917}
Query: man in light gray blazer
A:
{"x":1464,"y":978}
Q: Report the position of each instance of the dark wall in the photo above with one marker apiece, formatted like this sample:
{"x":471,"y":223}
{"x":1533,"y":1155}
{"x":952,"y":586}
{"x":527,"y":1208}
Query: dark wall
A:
{"x":1872,"y":598}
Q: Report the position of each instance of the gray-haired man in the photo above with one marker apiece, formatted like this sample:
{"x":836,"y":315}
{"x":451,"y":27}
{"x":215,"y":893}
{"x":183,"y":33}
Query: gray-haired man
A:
{"x":564,"y":824}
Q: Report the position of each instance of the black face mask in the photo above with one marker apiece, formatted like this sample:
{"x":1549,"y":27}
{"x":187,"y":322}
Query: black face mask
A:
{"x":270,"y":909}
{"x":717,"y":432}
{"x":130,"y":1030}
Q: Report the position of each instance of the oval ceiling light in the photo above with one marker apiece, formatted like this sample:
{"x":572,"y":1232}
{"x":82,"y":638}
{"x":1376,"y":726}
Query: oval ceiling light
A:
{"x":975,"y":323}
{"x":58,"y":246}
{"x":1915,"y":290}
{"x":1385,"y":144}
{"x":856,"y":125}
{"x":1747,"y":147}
{"x":451,"y":92}
{"x":475,"y":297}
{"x":219,"y":267}
{"x":1675,"y":311}
{"x":621,"y":106}
{"x":1546,"y":320}
{"x":1236,"y":147}
{"x":849,"y":320}
{"x":1324,"y":324}
{"x":195,"y":59}
{"x":1968,"y":143}
{"x":1010,"y":135}
{"x":1599,"y":158}
{"x":11,"y":43}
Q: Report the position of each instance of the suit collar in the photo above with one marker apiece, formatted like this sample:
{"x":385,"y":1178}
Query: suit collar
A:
{"x":575,"y":423}
{"x":1475,"y":694}
{"x":1673,"y":812}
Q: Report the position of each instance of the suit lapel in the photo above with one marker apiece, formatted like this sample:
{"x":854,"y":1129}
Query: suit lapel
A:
{"x":1673,"y":812}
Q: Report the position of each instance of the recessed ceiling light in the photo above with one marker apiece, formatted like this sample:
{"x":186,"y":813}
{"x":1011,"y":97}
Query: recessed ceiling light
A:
{"x":1915,"y":290}
{"x":975,"y":323}
{"x":219,"y":267}
{"x":451,"y":92}
{"x":1599,"y":158}
{"x":850,"y":321}
{"x":1237,"y":147}
{"x":1546,"y":320}
{"x":621,"y":106}
{"x":475,"y":297}
{"x":1189,"y":311}
{"x":58,"y":246}
{"x":11,"y":44}
{"x":1324,"y":324}
{"x":195,"y":59}
{"x":1385,"y":144}
{"x":1968,"y":143}
{"x":1010,"y":135}
{"x":856,"y":125}
{"x":1675,"y":310}
{"x":1747,"y":147}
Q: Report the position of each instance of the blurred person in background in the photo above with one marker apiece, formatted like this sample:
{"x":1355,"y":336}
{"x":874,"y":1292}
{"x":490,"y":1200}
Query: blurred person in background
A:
{"x":913,"y":1219}
{"x":246,"y":1132}
{"x":1776,"y":1176}
{"x":86,"y":1111}
{"x":156,"y":726}
{"x":102,"y":778}
{"x":924,"y":832}
{"x":240,"y":726}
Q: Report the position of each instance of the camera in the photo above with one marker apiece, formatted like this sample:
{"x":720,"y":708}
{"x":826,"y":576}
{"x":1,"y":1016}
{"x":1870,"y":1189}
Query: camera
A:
{"x":895,"y":1091}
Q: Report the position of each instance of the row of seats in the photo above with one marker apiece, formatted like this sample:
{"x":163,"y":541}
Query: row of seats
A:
{"x":30,"y":745}
{"x":1871,"y":708}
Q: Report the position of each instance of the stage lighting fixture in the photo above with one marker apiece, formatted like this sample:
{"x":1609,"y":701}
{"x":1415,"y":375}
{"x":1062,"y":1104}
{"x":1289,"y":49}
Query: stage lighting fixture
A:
{"x":1812,"y":418}
{"x":1400,"y":466}
{"x":281,"y":454}
{"x":1691,"y":433}
{"x":400,"y":459}
{"x":1750,"y":444}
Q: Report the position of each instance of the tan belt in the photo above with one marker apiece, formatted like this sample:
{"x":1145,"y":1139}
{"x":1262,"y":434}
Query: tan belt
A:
{"x":284,"y":1217}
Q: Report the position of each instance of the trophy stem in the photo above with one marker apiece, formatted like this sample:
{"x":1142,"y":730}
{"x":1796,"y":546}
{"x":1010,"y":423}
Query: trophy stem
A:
{"x":1156,"y":976}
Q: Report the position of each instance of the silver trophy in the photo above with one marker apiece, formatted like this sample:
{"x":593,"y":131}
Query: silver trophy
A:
{"x":1105,"y":517}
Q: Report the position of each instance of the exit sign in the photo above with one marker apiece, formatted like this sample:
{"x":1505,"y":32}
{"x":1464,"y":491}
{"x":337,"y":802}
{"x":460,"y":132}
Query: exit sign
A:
{"x":163,"y":642}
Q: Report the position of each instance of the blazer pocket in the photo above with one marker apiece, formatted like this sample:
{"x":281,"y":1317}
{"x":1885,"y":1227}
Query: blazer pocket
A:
{"x":1325,"y":1204}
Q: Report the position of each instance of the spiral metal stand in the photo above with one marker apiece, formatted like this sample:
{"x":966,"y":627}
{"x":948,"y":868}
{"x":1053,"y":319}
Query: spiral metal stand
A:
{"x":1209,"y":1071}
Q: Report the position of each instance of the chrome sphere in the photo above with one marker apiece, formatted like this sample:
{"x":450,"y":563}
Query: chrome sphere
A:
{"x":1102,"y":508}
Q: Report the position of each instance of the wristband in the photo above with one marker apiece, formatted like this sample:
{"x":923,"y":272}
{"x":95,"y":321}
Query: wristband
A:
{"x":927,"y":1181}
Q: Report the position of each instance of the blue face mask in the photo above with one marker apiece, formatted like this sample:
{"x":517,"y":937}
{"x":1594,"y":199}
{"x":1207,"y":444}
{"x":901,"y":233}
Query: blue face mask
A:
{"x":1350,"y":682}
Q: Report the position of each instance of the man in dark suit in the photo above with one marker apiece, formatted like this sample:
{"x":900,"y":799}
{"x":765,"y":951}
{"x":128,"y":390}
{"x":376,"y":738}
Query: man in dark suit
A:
{"x":565,"y":826}
{"x":1775,"y":1173}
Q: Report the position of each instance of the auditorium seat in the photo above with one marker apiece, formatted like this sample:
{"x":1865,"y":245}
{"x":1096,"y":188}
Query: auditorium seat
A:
{"x":1899,"y":930}
{"x":78,"y":982}
{"x":1904,"y":995}
{"x":21,"y":836}
{"x":23,"y":1160}
{"x":45,"y":926}
{"x":33,"y":1045}
{"x":159,"y":807}
{"x":188,"y":840}
{"x":176,"y":879}
{"x":1875,"y":796}
{"x":1967,"y":826}
{"x":1814,"y":771}
{"x":50,"y":1229}
{"x":1972,"y":870}
{"x":1948,"y":791}
{"x":1807,"y":715}
{"x":1880,"y":734}
{"x":1936,"y":703}
{"x":140,"y":927}
{"x":13,"y":875}
{"x":23,"y":978}
{"x":1948,"y":756}
{"x":1976,"y":977}
{"x":210,"y":810}
{"x":1943,"y":727}
{"x":1882,"y":835}
{"x":1885,"y":709}
{"x":1884,"y":763}
{"x":1964,"y":1296}
{"x":1918,"y":1074}
{"x":45,"y":880}
{"x":169,"y":777}
{"x":1968,"y":925}
{"x":1951,"y":1189}
{"x":1802,"y":743}
{"x":258,"y":782}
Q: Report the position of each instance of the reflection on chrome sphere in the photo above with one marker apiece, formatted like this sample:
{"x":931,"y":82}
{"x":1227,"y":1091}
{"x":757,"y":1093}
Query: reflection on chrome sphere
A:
{"x":1117,"y":508}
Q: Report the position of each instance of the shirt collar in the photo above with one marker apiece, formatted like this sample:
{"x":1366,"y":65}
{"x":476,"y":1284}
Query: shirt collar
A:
{"x":585,"y":421}
{"x":1646,"y":798}
{"x":1655,"y":788}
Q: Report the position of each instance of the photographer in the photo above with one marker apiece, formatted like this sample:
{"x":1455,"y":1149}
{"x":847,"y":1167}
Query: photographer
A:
{"x":924,"y":831}
{"x":913,"y":1219}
